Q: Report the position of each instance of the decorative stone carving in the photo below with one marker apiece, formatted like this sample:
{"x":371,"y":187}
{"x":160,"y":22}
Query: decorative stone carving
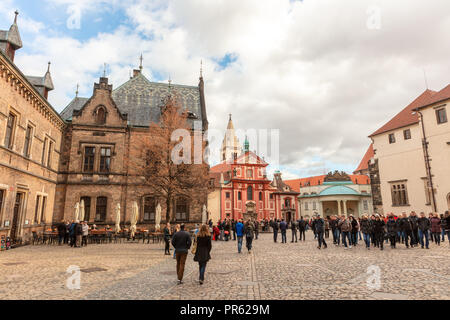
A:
{"x":337,"y":176}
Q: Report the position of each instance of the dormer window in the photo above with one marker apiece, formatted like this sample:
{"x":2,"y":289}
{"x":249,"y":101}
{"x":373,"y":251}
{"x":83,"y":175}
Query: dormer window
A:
{"x":101,"y":115}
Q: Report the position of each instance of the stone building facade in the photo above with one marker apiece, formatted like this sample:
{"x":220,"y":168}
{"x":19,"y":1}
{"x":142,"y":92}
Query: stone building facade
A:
{"x":334,"y":194}
{"x":101,"y":138}
{"x":411,"y":152}
{"x":30,"y":138}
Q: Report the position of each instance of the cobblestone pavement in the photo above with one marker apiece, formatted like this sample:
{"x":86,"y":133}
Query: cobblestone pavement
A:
{"x":272,"y":271}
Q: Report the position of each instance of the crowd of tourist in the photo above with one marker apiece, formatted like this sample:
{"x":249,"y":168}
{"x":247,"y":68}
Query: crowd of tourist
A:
{"x":373,"y":231}
{"x":75,"y":233}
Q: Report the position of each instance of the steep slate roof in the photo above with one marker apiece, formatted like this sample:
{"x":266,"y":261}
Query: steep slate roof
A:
{"x":141,"y":99}
{"x":364,"y":164}
{"x":405,"y":117}
{"x":314,"y":181}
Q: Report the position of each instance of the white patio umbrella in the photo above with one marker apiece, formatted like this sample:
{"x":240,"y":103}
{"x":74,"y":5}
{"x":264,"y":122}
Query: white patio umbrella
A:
{"x":204,"y":214}
{"x":81,"y":211}
{"x":158,"y":218}
{"x":77,"y":211}
{"x":117,"y":227}
{"x":134,"y":218}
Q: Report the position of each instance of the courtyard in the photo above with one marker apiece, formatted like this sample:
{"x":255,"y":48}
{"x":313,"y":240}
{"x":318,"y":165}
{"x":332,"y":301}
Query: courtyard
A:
{"x":136,"y":271}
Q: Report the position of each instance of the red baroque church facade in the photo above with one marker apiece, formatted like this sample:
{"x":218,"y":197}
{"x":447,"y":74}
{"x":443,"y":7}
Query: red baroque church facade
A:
{"x":241,"y":186}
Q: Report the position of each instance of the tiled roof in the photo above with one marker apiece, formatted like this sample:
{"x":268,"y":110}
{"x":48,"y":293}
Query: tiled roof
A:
{"x":142,"y":99}
{"x":76,"y":104}
{"x":364,"y":165}
{"x":222,"y":167}
{"x":405,"y":117}
{"x":314,"y":181}
{"x":442,"y":95}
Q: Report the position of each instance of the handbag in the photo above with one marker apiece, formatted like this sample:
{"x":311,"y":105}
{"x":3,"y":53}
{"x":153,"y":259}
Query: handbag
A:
{"x":194,"y":246}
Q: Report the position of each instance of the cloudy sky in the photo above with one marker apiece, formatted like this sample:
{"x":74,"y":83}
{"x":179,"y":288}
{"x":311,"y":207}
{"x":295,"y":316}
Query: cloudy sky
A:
{"x":326,"y":73}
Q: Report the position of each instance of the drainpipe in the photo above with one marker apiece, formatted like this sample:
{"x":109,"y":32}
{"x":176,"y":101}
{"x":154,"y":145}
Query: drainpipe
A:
{"x":427,"y":161}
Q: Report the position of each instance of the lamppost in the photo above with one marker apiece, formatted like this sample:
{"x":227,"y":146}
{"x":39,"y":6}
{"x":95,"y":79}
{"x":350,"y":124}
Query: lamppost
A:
{"x":427,"y":161}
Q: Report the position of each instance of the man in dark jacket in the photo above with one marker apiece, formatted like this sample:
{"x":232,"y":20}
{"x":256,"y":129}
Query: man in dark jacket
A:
{"x":182,"y":243}
{"x":256,"y":224}
{"x":406,"y":229}
{"x":275,"y":230}
{"x":72,"y":234}
{"x":294,"y":226}
{"x":61,"y":232}
{"x":283,"y":228}
{"x":318,"y":225}
{"x":392,"y":230}
{"x":302,"y":228}
{"x":78,"y":233}
{"x":335,"y":230}
{"x":424,"y":226}
{"x":378,"y":231}
{"x":415,"y":229}
{"x":447,"y":224}
{"x":233,"y":227}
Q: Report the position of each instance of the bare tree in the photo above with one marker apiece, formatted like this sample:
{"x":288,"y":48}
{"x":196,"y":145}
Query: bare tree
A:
{"x":156,"y":159}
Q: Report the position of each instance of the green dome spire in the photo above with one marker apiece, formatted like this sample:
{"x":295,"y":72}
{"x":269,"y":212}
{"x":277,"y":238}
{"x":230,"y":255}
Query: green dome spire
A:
{"x":246,"y":145}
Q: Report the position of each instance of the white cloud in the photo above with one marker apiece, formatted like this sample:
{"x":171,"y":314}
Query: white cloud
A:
{"x":311,"y":69}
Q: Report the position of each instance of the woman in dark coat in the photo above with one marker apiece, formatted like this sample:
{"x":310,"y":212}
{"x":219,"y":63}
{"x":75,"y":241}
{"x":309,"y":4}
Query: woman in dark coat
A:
{"x":436,"y":229}
{"x":249,"y":231}
{"x":202,"y":253}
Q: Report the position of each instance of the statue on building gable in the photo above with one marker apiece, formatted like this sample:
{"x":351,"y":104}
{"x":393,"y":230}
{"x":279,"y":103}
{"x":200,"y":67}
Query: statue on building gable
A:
{"x":337,"y":176}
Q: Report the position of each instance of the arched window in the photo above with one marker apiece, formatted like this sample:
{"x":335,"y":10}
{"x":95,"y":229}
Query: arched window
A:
{"x":101,"y":115}
{"x":249,"y":193}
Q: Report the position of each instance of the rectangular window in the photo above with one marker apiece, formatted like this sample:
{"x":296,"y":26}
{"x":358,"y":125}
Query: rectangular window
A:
{"x":366,"y":205}
{"x":181,"y":210}
{"x":239,"y":196}
{"x":100,"y":215}
{"x":227,"y":195}
{"x":260,"y":196}
{"x":314,"y":206}
{"x":306,"y":206}
{"x":441,"y":116}
{"x":407,"y":134}
{"x":28,"y":139}
{"x":105,"y":159}
{"x":89,"y":157}
{"x":391,"y":138}
{"x":249,"y":173}
{"x":36,"y":209}
{"x":43,"y":150}
{"x":49,"y":156}
{"x":149,"y":209}
{"x":44,"y":204}
{"x":87,"y":207}
{"x":9,"y":137}
{"x":271,"y":196}
{"x":399,"y":195}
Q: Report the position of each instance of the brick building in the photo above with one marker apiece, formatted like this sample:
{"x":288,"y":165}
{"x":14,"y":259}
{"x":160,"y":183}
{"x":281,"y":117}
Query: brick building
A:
{"x":30,"y":138}
{"x":97,"y":144}
{"x":51,"y":161}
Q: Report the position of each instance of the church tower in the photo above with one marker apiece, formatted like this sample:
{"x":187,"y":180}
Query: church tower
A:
{"x":231,"y":147}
